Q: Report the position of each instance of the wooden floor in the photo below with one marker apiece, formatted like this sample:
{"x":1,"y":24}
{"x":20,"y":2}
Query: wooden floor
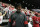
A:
{"x":0,"y":26}
{"x":4,"y":26}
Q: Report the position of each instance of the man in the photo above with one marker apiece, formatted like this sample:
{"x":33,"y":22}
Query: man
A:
{"x":8,"y":11}
{"x":18,"y":19}
{"x":35,"y":21}
{"x":39,"y":19}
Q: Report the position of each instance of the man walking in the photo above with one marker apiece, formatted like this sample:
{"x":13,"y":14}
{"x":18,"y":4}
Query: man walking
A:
{"x":18,"y":19}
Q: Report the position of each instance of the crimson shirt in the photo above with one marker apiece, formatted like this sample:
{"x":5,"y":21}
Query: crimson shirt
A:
{"x":39,"y":19}
{"x":35,"y":19}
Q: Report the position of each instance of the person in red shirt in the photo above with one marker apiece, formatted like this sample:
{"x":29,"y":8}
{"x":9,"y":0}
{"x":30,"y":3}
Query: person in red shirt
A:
{"x":39,"y":19}
{"x":3,"y":4}
{"x":35,"y":21}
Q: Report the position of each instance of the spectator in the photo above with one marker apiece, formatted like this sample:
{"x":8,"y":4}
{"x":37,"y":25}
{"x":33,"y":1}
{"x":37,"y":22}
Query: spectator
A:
{"x":35,"y":21}
{"x":1,"y":17}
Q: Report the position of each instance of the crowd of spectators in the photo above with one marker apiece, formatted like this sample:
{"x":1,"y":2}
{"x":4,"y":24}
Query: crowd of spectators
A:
{"x":7,"y":9}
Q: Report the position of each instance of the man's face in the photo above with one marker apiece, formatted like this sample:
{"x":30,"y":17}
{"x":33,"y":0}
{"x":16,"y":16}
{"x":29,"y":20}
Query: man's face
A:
{"x":18,"y":9}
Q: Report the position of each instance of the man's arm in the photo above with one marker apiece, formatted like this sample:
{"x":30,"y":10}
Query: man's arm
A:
{"x":4,"y":14}
{"x":10,"y":21}
{"x":25,"y":21}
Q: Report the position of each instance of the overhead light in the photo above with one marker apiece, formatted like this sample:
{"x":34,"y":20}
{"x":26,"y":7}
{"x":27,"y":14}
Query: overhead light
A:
{"x":9,"y":0}
{"x":23,"y":1}
{"x":26,"y":3}
{"x":38,"y":7}
{"x":32,"y":5}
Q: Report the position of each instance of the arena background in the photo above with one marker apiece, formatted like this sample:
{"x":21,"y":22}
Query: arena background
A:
{"x":30,"y":4}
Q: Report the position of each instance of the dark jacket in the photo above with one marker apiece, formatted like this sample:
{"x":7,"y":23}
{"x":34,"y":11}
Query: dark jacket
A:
{"x":20,"y":19}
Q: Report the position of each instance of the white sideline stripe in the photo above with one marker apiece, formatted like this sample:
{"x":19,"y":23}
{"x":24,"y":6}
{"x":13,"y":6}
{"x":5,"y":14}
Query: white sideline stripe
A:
{"x":5,"y":20}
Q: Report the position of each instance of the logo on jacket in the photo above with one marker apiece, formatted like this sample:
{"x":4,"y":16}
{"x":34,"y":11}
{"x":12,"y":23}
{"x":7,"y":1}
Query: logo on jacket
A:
{"x":20,"y":15}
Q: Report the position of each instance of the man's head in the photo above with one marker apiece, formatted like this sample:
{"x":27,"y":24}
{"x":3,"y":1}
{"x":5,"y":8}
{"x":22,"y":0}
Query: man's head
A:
{"x":18,"y":7}
{"x":12,"y":7}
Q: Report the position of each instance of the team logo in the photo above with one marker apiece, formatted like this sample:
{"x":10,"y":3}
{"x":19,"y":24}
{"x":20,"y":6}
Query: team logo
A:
{"x":20,"y":15}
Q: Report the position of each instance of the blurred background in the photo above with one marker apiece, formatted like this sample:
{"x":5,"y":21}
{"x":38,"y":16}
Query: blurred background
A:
{"x":30,"y":4}
{"x":8,"y":6}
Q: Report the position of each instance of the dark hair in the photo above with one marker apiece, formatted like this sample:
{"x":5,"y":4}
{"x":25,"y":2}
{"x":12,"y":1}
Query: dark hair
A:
{"x":18,"y":5}
{"x":36,"y":14}
{"x":5,"y":6}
